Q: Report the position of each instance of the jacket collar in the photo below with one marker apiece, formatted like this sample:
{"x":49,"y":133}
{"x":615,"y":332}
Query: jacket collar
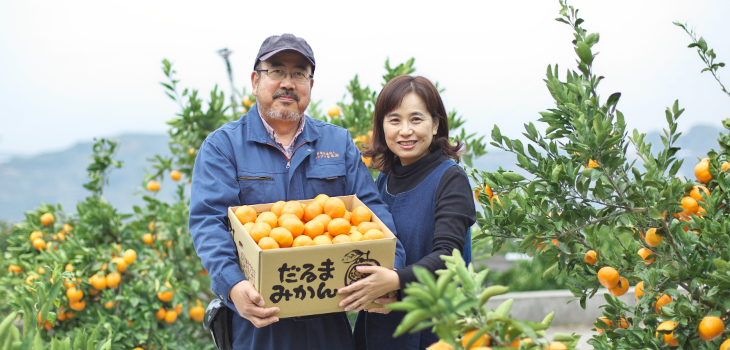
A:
{"x":257,"y":132}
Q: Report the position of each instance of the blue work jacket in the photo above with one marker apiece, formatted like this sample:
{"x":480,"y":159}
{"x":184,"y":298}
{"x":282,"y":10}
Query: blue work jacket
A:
{"x":239,"y":164}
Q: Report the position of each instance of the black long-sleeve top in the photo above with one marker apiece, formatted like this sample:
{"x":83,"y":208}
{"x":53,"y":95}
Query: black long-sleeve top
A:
{"x":454,"y":211}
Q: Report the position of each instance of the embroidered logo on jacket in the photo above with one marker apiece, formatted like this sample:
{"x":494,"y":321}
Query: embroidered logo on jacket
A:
{"x":326,"y":155}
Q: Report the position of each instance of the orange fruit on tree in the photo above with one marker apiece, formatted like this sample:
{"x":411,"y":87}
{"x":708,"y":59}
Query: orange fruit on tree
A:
{"x":609,"y":324}
{"x":245,"y":214}
{"x":726,"y":344}
{"x":623,"y":323}
{"x":129,"y":256}
{"x":74,"y":294}
{"x":295,"y":208}
{"x":29,"y":279}
{"x":268,"y":243}
{"x":710,"y":328}
{"x":15,"y":269}
{"x":277,"y":207}
{"x":652,"y":238}
{"x":341,"y":239}
{"x":259,"y":231}
{"x":112,"y":280}
{"x":170,"y":316}
{"x":166,"y":296}
{"x":608,"y":276}
{"x":320,"y":240}
{"x":149,"y":239}
{"x":338,"y":226}
{"x":98,"y":282}
{"x":282,"y":236}
{"x":440,"y":345}
{"x":39,"y":243}
{"x":77,"y":305}
{"x":482,"y":341}
{"x":324,"y":219}
{"x":93,"y":292}
{"x":197,"y":313}
{"x":314,"y":228}
{"x":639,"y":290}
{"x":702,"y":171}
{"x":335,"y":208}
{"x":176,"y":175}
{"x":36,"y":234}
{"x":322,"y":199}
{"x":667,"y":329}
{"x":359,"y":215}
{"x":516,"y":343}
{"x":356,"y":236}
{"x":621,"y":288}
{"x":695,"y":193}
{"x":690,"y":205}
{"x":556,"y":346}
{"x":724,"y":166}
{"x":295,"y":226}
{"x":662,"y":301}
{"x":592,"y":163}
{"x":160,"y":314}
{"x":487,"y":191}
{"x":644,"y":253}
{"x":47,"y":219}
{"x":178,"y":308}
{"x":312,"y":210}
{"x":372,"y":234}
{"x":153,"y":186}
{"x":109,"y":304}
{"x":302,"y":241}
{"x":367,"y":226}
{"x":121,"y":264}
{"x":333,"y":112}
{"x":590,"y":257}
{"x":269,"y":218}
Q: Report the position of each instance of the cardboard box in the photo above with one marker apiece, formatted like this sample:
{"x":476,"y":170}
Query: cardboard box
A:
{"x":304,"y":280}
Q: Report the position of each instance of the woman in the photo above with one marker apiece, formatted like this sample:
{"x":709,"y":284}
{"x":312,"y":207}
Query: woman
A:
{"x":428,"y":195}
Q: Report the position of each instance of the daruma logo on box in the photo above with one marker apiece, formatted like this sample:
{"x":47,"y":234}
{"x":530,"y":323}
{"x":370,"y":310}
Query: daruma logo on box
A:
{"x":357,"y":258}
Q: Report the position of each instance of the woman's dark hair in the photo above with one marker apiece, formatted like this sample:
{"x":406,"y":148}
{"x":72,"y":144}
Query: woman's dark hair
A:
{"x":390,"y":99}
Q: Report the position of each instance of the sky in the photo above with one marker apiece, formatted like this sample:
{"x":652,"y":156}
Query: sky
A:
{"x":74,"y":70}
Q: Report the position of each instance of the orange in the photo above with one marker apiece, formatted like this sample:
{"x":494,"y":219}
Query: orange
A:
{"x":245,"y":214}
{"x":248,"y":226}
{"x":302,"y":241}
{"x":41,"y":270}
{"x":341,"y":239}
{"x":166,"y":296}
{"x":311,"y":211}
{"x":367,"y":226}
{"x":623,"y":323}
{"x":516,"y":343}
{"x":328,"y":235}
{"x":668,"y":326}
{"x":98,"y":282}
{"x":608,"y":323}
{"x":333,"y":112}
{"x":293,"y":207}
{"x":178,"y":308}
{"x":160,"y":314}
{"x":77,"y":305}
{"x":338,"y":226}
{"x":129,"y":256}
{"x":269,"y":218}
{"x":724,"y":166}
{"x":353,"y":229}
{"x":35,"y":235}
{"x":652,"y":238}
{"x":67,"y":227}
{"x":112,"y":280}
{"x":690,"y":205}
{"x":284,"y":217}
{"x":247,"y":101}
{"x":347,"y":216}
{"x":170,"y":316}
{"x":47,"y":219}
{"x":282,"y":236}
{"x":277,"y":207}
{"x":487,"y":191}
{"x":482,"y":341}
{"x":268,"y":243}
{"x":356,"y":236}
{"x":608,"y":277}
{"x":324,"y":219}
{"x":726,"y":344}
{"x":695,"y":193}
{"x":121,"y":264}
{"x":151,"y":226}
{"x":109,"y":304}
{"x":176,"y":175}
{"x":259,"y":231}
{"x":643,"y":252}
{"x":664,"y":300}
{"x":710,"y":328}
{"x":494,"y":198}
{"x":335,"y":208}
{"x":639,"y":290}
{"x":314,"y":228}
{"x":702,"y":171}
{"x":360,"y":214}
{"x":440,"y":345}
{"x":191,"y":151}
{"x":149,"y":239}
{"x":15,"y":269}
{"x":621,"y":288}
{"x":39,"y":243}
{"x":556,"y":346}
{"x":153,"y":186}
{"x":93,"y":292}
{"x":371,"y":235}
{"x":74,"y":294}
{"x":592,"y":163}
{"x":322,"y":199}
{"x":590,"y":257}
{"x":30,"y":279}
{"x":320,"y":240}
{"x":294,"y":226}
{"x":197,"y":313}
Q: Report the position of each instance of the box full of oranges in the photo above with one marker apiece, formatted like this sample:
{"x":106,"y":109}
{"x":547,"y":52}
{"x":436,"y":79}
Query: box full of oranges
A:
{"x":299,"y":253}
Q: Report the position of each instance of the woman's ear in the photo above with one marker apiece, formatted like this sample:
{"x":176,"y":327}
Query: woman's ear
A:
{"x":436,"y":126}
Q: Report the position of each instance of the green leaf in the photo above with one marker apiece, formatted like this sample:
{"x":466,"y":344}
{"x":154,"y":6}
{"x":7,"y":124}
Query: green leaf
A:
{"x":514,"y":177}
{"x":592,"y":39}
{"x":654,"y":214}
{"x":584,"y":52}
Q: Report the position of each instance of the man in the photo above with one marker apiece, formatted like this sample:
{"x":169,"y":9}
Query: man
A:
{"x":274,"y":153}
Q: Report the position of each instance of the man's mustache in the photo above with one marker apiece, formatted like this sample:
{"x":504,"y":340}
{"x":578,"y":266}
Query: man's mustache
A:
{"x":285,"y":92}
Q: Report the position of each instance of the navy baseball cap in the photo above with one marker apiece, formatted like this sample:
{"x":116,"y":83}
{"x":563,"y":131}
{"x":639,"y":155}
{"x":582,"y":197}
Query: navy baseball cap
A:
{"x":277,"y":43}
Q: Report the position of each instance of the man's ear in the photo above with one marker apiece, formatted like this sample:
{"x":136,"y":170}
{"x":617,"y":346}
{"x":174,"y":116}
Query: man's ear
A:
{"x":255,"y":82}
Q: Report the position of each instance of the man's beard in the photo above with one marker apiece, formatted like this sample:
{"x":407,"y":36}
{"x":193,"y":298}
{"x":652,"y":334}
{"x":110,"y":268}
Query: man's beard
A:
{"x":284,"y":116}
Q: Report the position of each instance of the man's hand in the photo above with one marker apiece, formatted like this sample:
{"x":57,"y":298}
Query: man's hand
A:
{"x":249,"y":305}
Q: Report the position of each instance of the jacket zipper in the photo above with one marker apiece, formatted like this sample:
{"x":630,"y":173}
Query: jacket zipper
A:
{"x":288,"y":160}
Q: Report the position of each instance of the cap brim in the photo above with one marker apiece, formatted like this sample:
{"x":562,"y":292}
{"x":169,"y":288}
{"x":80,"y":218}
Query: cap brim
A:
{"x":268,"y":55}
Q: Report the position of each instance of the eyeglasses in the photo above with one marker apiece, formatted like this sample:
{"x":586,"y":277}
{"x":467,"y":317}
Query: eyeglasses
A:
{"x":280,"y":74}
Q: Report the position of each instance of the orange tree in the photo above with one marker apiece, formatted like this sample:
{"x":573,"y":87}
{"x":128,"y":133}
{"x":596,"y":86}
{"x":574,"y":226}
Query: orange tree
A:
{"x":592,"y":211}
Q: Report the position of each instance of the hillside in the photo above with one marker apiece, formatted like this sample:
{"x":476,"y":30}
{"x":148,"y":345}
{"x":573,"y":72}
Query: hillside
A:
{"x":58,"y":177}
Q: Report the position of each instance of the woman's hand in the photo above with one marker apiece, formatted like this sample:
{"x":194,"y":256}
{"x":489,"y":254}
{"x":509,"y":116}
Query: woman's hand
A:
{"x":363,"y":292}
{"x":384,"y":300}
